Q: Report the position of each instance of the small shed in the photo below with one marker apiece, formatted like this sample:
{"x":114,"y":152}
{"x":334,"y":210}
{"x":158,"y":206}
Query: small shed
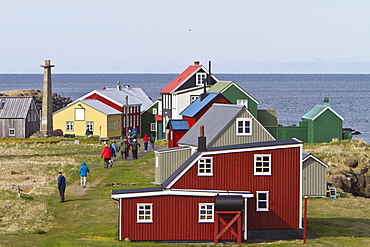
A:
{"x":314,"y":182}
{"x":323,"y":123}
{"x":177,"y":129}
{"x":19,"y":117}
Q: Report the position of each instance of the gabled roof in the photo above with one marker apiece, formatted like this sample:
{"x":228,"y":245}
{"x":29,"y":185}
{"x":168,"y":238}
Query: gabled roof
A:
{"x":96,"y":104}
{"x":15,"y":106}
{"x":195,"y":107}
{"x":99,"y":106}
{"x":178,"y":124}
{"x":306,"y":156}
{"x":180,"y":79}
{"x":221,"y":86}
{"x":215,"y":124}
{"x":226,"y":149}
{"x":317,"y":110}
{"x":136,"y":96}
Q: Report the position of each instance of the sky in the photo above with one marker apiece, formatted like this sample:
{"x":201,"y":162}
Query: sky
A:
{"x":166,"y":36}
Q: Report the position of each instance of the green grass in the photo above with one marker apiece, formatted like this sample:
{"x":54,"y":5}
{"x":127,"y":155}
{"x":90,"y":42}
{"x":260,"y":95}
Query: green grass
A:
{"x":91,"y":219}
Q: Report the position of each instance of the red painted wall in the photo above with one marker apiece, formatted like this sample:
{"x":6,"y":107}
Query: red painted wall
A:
{"x":235,"y":171}
{"x":175,"y":136}
{"x":174,"y":218}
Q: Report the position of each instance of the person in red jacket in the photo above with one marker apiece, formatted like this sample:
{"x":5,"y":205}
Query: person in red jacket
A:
{"x":145,"y":140}
{"x":106,"y":154}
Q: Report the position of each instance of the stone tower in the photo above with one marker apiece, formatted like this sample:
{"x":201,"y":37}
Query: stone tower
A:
{"x":47,"y":111}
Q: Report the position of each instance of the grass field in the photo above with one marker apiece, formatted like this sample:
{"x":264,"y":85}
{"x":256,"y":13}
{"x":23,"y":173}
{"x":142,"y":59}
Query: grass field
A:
{"x":89,"y":217}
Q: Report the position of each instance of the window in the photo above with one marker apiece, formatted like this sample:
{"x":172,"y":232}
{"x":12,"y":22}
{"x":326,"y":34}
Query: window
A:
{"x":155,"y":111}
{"x":206,"y":212}
{"x":193,"y":98}
{"x":2,"y":103}
{"x":205,"y":166}
{"x":79,"y":114}
{"x":69,"y":126}
{"x":201,"y":77}
{"x":12,"y":132}
{"x":111,"y":125}
{"x":242,"y":102}
{"x":144,"y":213}
{"x":262,"y":164}
{"x":262,"y":200}
{"x":243,"y":126}
{"x":90,"y":125}
{"x":153,"y":127}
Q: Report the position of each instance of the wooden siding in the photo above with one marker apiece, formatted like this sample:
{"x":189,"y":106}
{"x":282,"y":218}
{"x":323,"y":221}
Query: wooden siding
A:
{"x":283,"y":185}
{"x":233,"y":94}
{"x":17,"y":124}
{"x":229,"y":137}
{"x":314,"y":180}
{"x":174,"y":218}
{"x":168,"y":162}
{"x":326,"y":127}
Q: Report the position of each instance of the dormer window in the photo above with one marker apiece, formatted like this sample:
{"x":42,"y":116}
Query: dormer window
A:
{"x":2,"y":103}
{"x":201,"y":77}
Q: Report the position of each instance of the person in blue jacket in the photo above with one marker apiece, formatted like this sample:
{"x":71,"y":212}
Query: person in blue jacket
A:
{"x":83,"y":174}
{"x":61,"y":186}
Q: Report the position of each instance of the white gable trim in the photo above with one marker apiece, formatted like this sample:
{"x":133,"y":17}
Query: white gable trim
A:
{"x":316,"y":159}
{"x":327,"y":108}
{"x":209,"y":193}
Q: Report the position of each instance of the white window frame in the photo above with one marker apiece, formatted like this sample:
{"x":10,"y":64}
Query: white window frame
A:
{"x":111,"y":125}
{"x":79,"y":114}
{"x":200,"y":76}
{"x":90,"y":125}
{"x":203,"y":169}
{"x":193,"y":98}
{"x":261,"y":164}
{"x":154,"y":111}
{"x":242,"y":102}
{"x":266,"y":200}
{"x":243,"y":121}
{"x":153,"y":127}
{"x":144,"y":213}
{"x":69,"y":126}
{"x":11,"y":131}
{"x":206,"y":212}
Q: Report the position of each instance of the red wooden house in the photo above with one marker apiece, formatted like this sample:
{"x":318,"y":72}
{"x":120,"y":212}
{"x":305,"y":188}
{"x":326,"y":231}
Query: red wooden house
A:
{"x":259,"y":184}
{"x":196,"y":110}
{"x":177,"y":129}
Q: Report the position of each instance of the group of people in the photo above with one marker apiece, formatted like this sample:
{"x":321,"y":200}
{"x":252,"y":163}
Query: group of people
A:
{"x":109,"y":152}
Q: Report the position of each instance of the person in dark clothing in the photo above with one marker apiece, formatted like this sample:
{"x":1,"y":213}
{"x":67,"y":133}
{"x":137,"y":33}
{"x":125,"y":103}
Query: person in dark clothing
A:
{"x":61,"y":186}
{"x":152,"y":140}
{"x":125,"y":147}
{"x":135,"y":146}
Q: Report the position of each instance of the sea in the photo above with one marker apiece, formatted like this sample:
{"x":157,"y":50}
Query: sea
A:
{"x":291,"y":95}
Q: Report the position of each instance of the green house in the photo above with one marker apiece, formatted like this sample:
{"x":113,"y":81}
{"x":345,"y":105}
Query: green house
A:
{"x":323,"y":123}
{"x":236,"y":95}
{"x":148,"y":120}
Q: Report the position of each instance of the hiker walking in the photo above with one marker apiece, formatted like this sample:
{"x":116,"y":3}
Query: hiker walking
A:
{"x":83,"y":174}
{"x":125,"y":147}
{"x":61,"y":186}
{"x":145,"y":140}
{"x":115,"y":147}
{"x":152,"y":140}
{"x":135,"y":146}
{"x":106,"y":154}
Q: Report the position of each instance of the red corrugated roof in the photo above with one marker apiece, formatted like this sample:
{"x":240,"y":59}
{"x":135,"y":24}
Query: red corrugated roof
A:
{"x":180,"y":78}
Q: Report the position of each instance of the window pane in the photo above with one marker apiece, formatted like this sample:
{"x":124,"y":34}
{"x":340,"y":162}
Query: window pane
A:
{"x":262,"y":196}
{"x":262,"y":204}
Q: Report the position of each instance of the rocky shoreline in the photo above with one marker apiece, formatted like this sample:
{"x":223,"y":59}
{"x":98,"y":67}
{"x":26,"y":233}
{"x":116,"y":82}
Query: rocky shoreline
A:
{"x":58,"y":101}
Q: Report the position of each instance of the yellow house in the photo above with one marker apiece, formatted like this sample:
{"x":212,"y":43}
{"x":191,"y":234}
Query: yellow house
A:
{"x":91,"y":114}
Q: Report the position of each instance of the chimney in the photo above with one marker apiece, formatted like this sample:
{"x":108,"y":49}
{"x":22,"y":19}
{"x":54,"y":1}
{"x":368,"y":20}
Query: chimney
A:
{"x":196,"y":62}
{"x":202,"y":140}
{"x":119,"y":85}
{"x":326,"y":101}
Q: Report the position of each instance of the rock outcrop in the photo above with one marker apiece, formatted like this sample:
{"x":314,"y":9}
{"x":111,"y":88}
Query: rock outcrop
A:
{"x":58,"y":101}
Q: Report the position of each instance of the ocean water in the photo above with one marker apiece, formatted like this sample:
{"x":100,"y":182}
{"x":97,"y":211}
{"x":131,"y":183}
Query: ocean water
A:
{"x":291,"y":95}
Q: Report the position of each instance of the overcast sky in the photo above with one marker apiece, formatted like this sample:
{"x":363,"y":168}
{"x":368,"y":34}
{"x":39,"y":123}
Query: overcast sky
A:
{"x":313,"y":36}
